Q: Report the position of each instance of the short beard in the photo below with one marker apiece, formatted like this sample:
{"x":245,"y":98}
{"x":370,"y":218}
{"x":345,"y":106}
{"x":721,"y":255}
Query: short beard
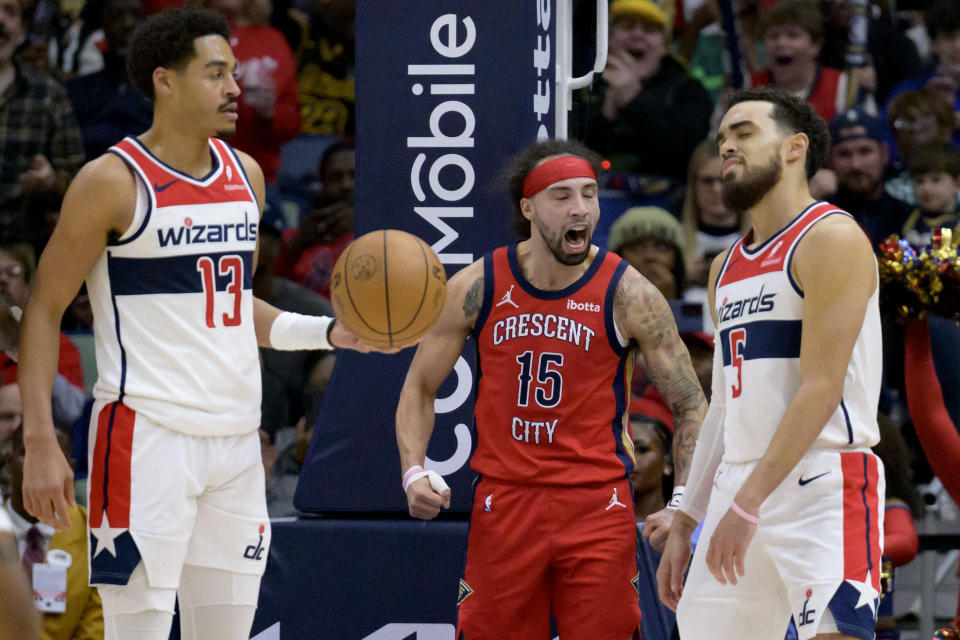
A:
{"x":564,"y":258}
{"x":741,"y":195}
{"x":226,"y":134}
{"x":873,"y":187}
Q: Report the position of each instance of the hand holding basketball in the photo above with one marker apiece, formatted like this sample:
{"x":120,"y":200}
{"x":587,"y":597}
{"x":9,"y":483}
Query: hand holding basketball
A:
{"x":387,"y":289}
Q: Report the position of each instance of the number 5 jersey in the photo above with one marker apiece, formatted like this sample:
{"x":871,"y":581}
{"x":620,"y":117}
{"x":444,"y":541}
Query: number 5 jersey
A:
{"x":759,"y":309}
{"x":173,"y":302}
{"x":554,"y":377}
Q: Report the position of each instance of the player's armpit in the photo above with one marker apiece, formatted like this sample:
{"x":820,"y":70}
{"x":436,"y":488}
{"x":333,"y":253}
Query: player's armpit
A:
{"x":255,"y":176}
{"x":643,"y":314}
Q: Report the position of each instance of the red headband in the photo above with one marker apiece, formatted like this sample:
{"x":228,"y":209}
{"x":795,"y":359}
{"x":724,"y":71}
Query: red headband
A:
{"x":553,"y":171}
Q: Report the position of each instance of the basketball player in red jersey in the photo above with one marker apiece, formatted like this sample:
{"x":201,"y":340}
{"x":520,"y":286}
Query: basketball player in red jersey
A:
{"x":557,"y":323}
{"x":783,"y":476}
{"x":163,"y":228}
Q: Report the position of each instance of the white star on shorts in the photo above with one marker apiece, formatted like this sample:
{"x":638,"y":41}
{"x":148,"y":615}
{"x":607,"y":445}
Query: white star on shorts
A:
{"x":868,"y":595}
{"x":105,"y":535}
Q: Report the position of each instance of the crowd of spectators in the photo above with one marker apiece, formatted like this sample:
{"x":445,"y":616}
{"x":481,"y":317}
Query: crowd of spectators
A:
{"x":894,"y":165}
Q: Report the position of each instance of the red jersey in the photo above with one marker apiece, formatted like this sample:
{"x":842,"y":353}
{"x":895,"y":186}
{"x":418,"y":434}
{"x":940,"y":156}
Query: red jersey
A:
{"x":828,"y":92}
{"x":553,"y":377}
{"x":264,"y":57}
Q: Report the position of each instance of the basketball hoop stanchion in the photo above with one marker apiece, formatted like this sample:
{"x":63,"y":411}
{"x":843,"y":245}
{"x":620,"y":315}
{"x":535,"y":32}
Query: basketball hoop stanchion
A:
{"x":728,"y":18}
{"x":856,"y":54}
{"x":566,"y":83}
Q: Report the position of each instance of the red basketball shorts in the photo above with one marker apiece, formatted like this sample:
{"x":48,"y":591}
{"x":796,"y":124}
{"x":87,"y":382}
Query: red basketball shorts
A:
{"x":535,"y":550}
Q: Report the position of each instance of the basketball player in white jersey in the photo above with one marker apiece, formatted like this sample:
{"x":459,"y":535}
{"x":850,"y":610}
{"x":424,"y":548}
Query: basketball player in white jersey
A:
{"x":163,"y":229}
{"x":782,"y":474}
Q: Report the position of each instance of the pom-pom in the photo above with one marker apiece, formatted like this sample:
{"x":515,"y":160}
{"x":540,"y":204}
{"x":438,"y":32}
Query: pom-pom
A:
{"x":915,"y":284}
{"x":949,"y":632}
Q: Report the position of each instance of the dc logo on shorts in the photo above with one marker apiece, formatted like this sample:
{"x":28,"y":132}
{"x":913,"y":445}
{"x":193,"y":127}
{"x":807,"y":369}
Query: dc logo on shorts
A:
{"x":807,"y":615}
{"x":255,"y":551}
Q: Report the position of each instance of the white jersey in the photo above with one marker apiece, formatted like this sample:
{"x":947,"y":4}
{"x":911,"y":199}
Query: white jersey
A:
{"x":759,"y":313}
{"x":173,"y":302}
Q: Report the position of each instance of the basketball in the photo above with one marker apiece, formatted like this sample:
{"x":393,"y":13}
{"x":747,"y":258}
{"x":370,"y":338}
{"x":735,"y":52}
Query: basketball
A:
{"x":388,"y":288}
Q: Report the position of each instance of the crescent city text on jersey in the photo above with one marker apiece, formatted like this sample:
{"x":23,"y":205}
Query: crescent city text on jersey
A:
{"x":547,"y":325}
{"x":543,"y":325}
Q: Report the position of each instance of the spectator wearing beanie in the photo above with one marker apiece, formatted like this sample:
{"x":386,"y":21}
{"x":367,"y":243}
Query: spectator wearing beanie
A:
{"x":651,"y":240}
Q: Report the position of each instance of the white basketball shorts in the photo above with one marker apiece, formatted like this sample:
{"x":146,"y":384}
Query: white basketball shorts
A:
{"x":169,"y":499}
{"x":815,"y":555}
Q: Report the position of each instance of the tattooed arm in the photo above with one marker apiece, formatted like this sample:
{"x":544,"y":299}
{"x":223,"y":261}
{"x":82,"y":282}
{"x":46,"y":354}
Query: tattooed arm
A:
{"x":431,"y":365}
{"x":642,"y":313}
{"x":18,"y":615}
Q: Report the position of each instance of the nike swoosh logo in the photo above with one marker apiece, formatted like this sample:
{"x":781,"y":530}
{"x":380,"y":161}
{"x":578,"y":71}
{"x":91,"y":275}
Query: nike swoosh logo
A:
{"x":158,"y":188}
{"x":808,"y":480}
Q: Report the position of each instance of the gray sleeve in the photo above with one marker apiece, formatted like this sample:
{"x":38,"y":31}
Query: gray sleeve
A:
{"x":67,"y":402}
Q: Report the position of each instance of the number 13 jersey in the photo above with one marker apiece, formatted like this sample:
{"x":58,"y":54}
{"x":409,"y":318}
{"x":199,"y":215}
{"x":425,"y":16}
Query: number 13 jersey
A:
{"x":554,"y":377}
{"x":759,"y":309}
{"x":173,"y":302}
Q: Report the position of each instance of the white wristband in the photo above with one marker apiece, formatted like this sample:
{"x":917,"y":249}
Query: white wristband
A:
{"x":675,"y":498}
{"x":295,"y":331}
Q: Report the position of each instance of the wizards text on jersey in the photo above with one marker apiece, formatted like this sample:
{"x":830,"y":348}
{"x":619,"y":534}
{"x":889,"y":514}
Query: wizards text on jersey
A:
{"x":733,"y":309}
{"x":190,"y":233}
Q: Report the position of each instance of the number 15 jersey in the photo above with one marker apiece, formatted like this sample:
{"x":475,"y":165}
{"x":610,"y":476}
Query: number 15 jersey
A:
{"x":759,"y":309}
{"x":173,"y":302}
{"x":554,"y":377}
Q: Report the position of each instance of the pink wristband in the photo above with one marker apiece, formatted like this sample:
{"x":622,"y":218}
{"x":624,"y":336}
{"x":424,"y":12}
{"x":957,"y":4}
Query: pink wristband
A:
{"x":743,"y":514}
{"x":412,"y":470}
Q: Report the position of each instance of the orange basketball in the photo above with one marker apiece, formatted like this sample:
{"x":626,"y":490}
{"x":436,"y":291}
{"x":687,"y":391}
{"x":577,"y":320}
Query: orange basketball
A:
{"x":388,"y":288}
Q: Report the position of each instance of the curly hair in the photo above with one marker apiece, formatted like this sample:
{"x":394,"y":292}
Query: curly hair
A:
{"x":166,"y":40}
{"x":793,"y":115}
{"x":511,"y":180}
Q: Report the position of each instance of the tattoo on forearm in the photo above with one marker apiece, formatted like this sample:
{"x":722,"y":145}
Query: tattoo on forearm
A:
{"x":645,"y":311}
{"x":681,"y":391}
{"x":668,"y":364}
{"x":684,"y":443}
{"x":473,"y":300}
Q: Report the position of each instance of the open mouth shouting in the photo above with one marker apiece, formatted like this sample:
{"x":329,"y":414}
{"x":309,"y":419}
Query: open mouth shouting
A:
{"x":783,"y":60}
{"x":576,"y":239}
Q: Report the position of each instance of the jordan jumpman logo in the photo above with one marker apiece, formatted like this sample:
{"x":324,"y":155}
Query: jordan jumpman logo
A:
{"x":615,"y":502}
{"x":506,"y":299}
